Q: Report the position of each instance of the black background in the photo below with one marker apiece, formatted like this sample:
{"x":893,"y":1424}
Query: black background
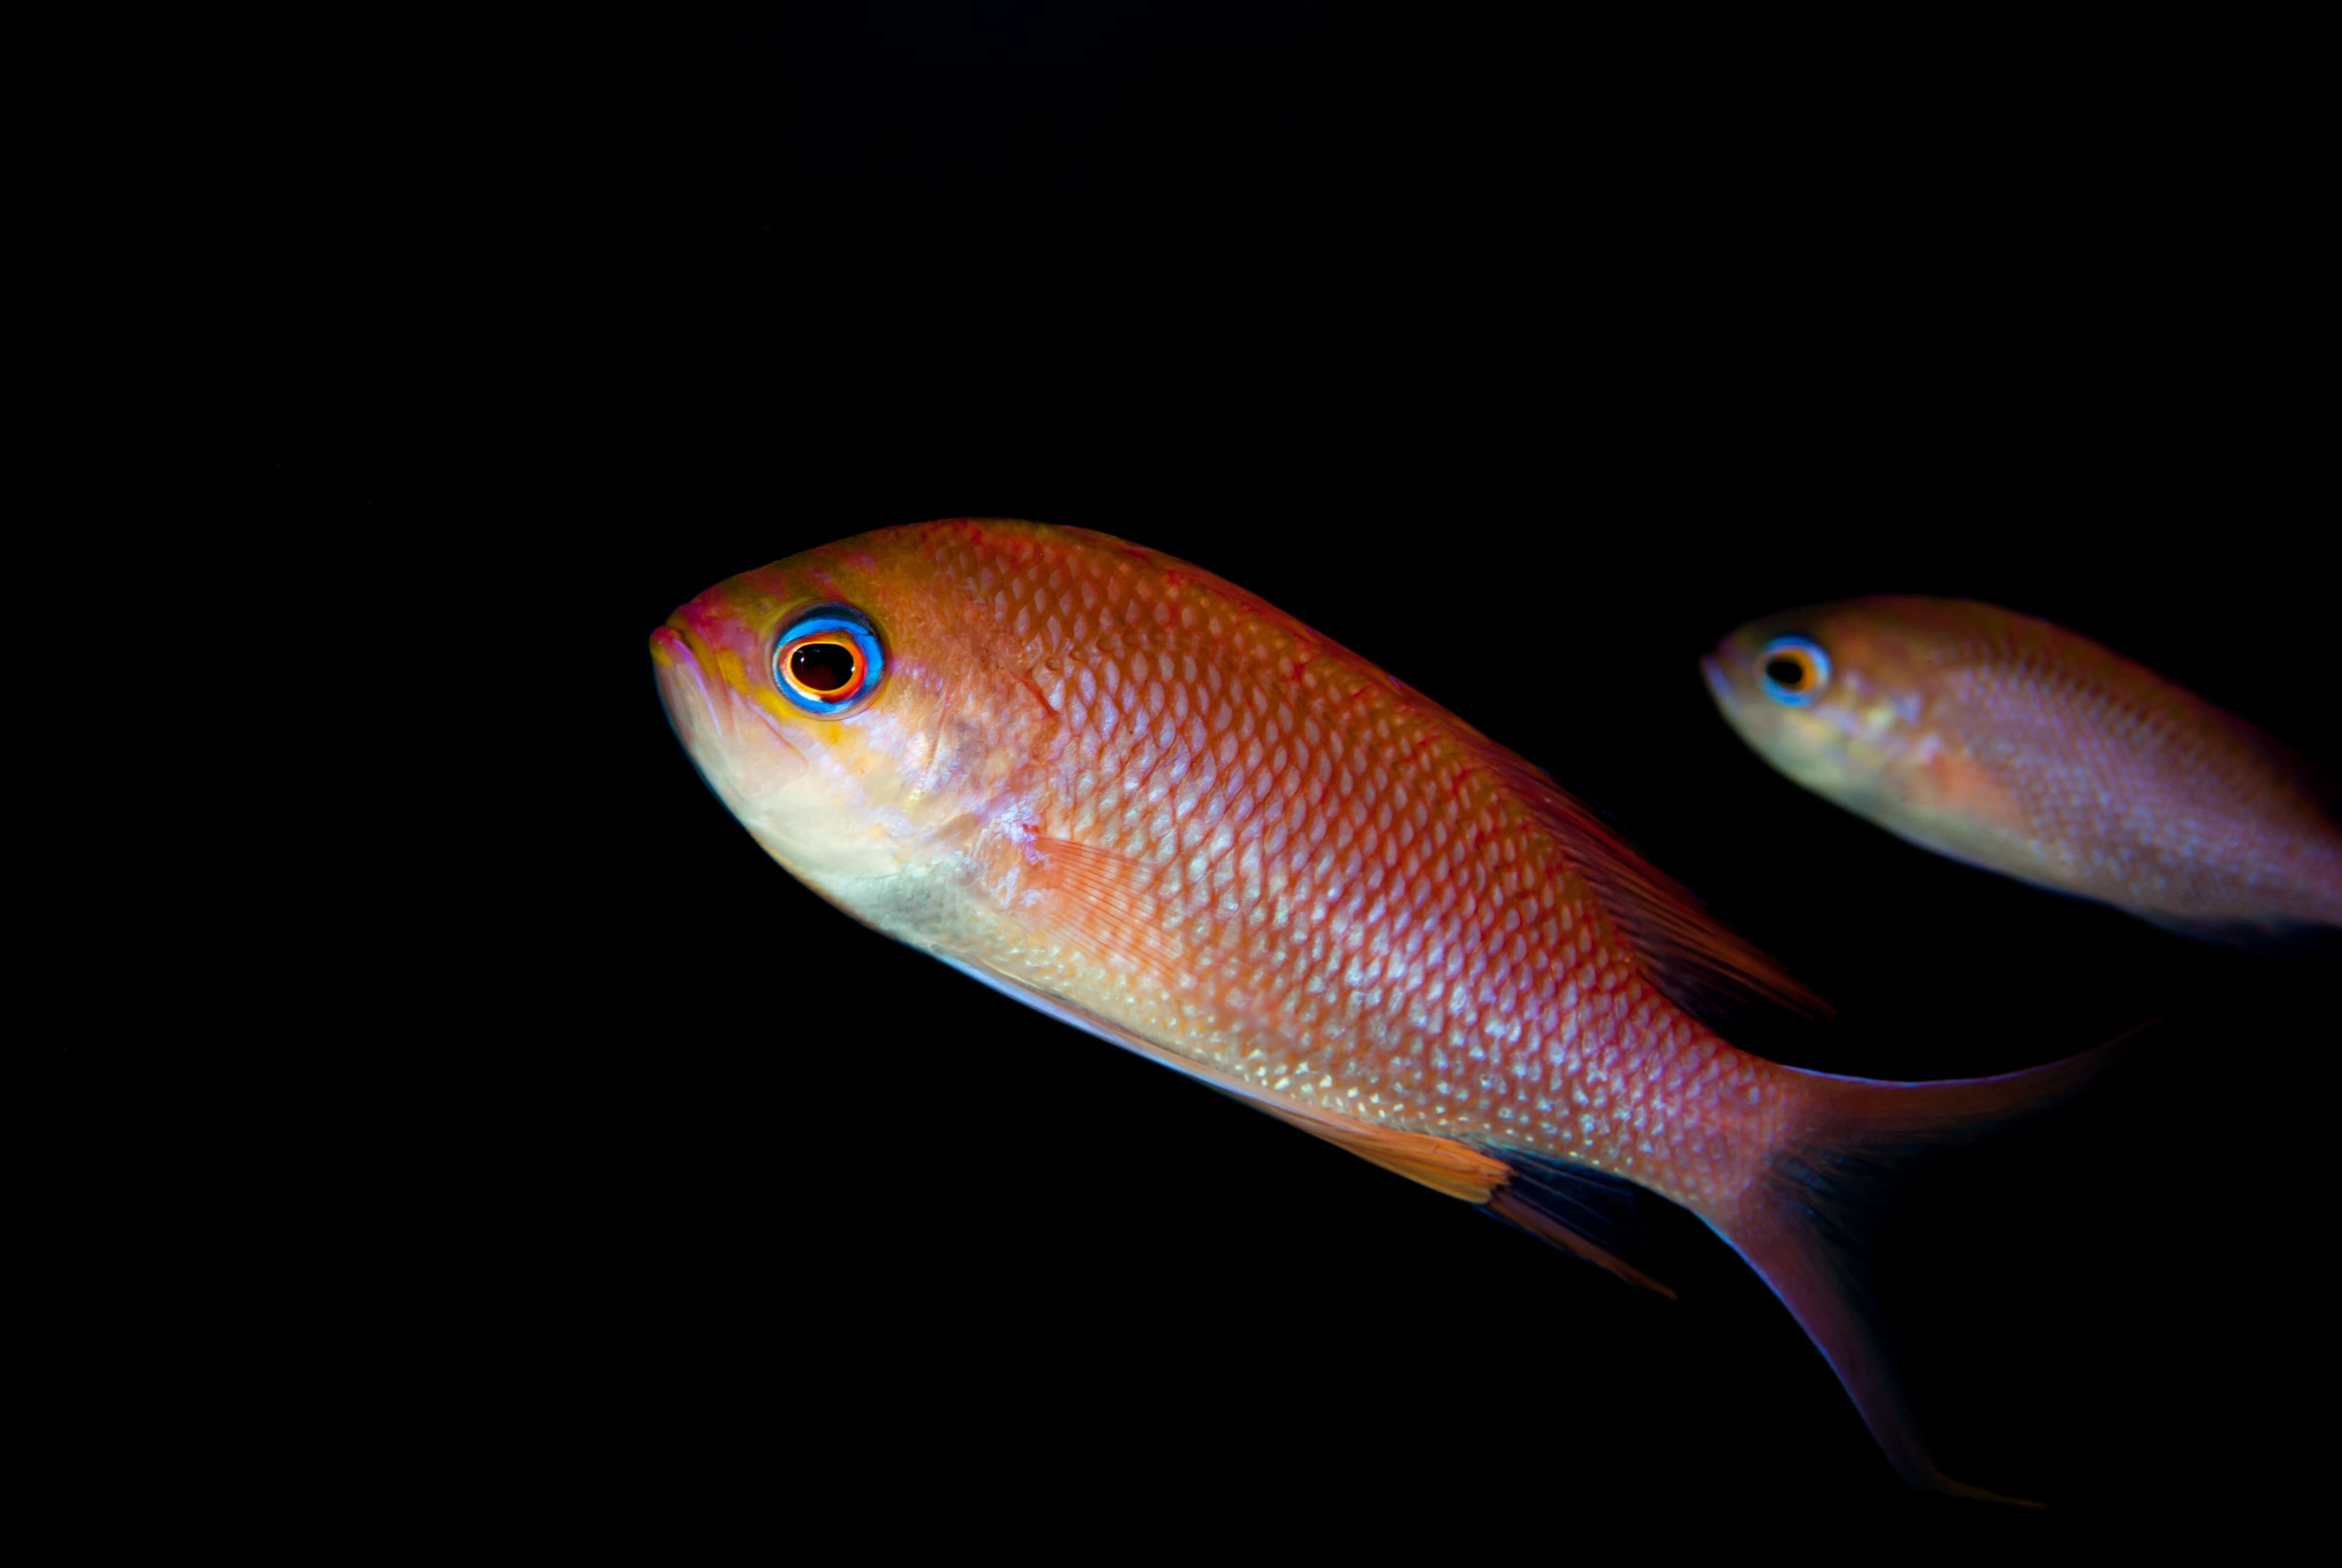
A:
{"x":1525,"y":358}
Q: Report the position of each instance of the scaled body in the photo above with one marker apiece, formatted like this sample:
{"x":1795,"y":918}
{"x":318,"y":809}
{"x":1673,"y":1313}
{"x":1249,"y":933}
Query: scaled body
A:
{"x":1136,"y":797}
{"x":2019,"y":746}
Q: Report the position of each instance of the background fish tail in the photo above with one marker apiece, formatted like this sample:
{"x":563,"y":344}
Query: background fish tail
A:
{"x":1803,"y":1226}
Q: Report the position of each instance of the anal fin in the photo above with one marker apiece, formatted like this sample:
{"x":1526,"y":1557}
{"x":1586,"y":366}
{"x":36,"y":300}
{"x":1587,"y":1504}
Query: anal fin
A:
{"x":1443,"y":1165}
{"x":1563,"y":1205}
{"x":1584,"y":1213}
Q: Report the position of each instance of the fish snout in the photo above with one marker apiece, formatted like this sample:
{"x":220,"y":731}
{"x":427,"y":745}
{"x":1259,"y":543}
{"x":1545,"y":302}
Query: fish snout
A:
{"x":1720,"y":680}
{"x":669,"y":646}
{"x":687,"y":684}
{"x":740,"y":748}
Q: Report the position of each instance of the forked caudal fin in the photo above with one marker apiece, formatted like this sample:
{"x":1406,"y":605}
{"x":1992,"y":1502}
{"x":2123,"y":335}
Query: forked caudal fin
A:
{"x":1803,"y":1226}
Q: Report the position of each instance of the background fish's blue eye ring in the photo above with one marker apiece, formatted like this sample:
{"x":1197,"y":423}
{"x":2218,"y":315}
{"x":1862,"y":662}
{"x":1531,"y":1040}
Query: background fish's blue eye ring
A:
{"x":1793,"y":670}
{"x":829,"y":683}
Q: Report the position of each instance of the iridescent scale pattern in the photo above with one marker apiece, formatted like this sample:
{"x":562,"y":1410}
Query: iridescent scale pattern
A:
{"x":2127,"y":788}
{"x":1355,"y":911}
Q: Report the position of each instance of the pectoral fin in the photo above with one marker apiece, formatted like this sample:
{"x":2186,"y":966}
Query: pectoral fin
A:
{"x":1103,"y":903}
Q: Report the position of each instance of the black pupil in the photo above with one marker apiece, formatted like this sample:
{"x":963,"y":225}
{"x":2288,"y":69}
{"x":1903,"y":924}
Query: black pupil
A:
{"x":822,"y":666}
{"x":1786,"y":673}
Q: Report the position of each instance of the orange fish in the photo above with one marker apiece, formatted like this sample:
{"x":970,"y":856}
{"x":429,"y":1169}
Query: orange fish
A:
{"x":2019,"y":746}
{"x":1139,"y":799}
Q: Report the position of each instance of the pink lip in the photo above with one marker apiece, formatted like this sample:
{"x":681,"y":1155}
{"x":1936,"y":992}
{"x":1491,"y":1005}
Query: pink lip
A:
{"x":1716,"y":682}
{"x":683,"y":681}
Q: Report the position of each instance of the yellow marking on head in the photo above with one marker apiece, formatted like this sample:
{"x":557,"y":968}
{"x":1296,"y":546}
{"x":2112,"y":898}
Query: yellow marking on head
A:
{"x":803,"y":727}
{"x":729,"y":665}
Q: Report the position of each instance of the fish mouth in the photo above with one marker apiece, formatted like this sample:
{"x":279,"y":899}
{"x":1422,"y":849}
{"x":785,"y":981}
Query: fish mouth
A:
{"x":705,"y":712}
{"x":669,"y":644}
{"x":681,"y":667}
{"x":1719,"y":685}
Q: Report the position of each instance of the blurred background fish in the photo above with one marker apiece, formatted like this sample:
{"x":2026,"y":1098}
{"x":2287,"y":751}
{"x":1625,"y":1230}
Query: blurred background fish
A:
{"x":2017,"y":745}
{"x":1138,"y":798}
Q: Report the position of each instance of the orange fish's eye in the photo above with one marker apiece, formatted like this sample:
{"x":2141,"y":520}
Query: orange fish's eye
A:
{"x":828,"y":659}
{"x":1794,"y":670}
{"x":826,"y":668}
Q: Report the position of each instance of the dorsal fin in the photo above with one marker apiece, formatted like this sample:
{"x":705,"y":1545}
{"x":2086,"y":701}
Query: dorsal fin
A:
{"x":1701,"y":964}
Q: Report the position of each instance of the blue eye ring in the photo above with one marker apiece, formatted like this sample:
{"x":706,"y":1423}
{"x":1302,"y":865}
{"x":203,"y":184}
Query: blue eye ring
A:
{"x":1794,"y":671}
{"x":829,"y":659}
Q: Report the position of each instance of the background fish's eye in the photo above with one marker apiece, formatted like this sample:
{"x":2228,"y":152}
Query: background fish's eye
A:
{"x":828,"y":659}
{"x":1794,"y":670}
